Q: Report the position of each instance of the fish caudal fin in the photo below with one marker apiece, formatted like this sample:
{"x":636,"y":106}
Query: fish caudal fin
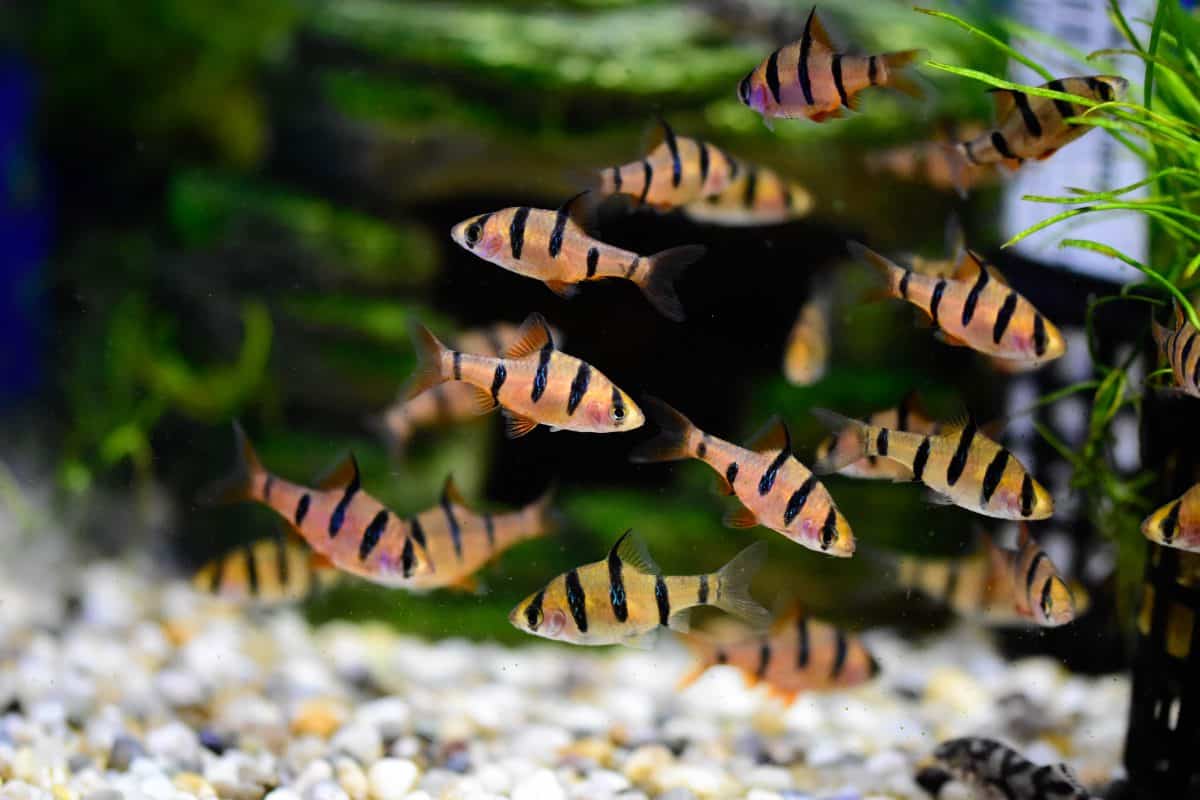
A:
{"x":239,"y":484}
{"x":547,"y":518}
{"x":429,"y":371}
{"x":733,"y":587}
{"x":887,"y":268}
{"x":899,"y":80}
{"x":659,"y":282}
{"x":672,"y":443}
{"x":852,"y":430}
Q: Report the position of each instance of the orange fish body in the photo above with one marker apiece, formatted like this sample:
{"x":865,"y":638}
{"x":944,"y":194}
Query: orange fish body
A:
{"x":758,"y":196}
{"x":806,"y":354}
{"x":908,"y":416}
{"x":934,"y":163}
{"x":1177,"y":524}
{"x":267,"y":572}
{"x":810,"y":79}
{"x":534,"y":383}
{"x":976,"y":308}
{"x":1181,"y":346}
{"x":799,"y":655}
{"x":550,"y":246}
{"x":775,"y":489}
{"x":679,"y":170}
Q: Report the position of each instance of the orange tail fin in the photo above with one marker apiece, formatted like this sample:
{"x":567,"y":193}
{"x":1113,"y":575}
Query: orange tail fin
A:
{"x":664,"y":269}
{"x":239,"y":484}
{"x":672,"y":443}
{"x":900,"y":80}
{"x":429,"y":371}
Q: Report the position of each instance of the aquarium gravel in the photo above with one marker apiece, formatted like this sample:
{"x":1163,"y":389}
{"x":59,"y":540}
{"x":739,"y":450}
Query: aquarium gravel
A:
{"x":133,"y":688}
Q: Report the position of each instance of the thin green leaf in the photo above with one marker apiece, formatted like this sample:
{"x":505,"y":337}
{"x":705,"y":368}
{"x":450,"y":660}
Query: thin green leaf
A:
{"x":1004,"y":47}
{"x":1112,"y":252}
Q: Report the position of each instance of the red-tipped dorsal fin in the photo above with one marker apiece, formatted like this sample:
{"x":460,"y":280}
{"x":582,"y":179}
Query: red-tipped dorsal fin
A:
{"x":532,"y":337}
{"x":451,"y":494}
{"x":340,"y":474}
{"x":772,"y":436}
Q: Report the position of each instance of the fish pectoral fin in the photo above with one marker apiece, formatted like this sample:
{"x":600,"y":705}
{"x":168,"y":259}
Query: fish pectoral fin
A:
{"x":516,"y":426}
{"x":937,"y":499}
{"x":467,"y":583}
{"x":482,"y":401}
{"x":533,"y":335}
{"x":723,"y":487}
{"x":681,"y":621}
{"x":642,"y":641}
{"x":562,"y":288}
{"x":785,"y":696}
{"x":740,"y":517}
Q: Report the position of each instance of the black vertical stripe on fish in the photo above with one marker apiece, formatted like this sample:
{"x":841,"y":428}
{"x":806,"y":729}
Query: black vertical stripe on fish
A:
{"x":702,"y":591}
{"x":1001,"y":145}
{"x":839,"y":655}
{"x":251,"y":569}
{"x":417,"y":532}
{"x":1171,"y":522}
{"x":701,"y":450}
{"x":1099,"y":88}
{"x":968,"y":312}
{"x":648,"y":176}
{"x":993,"y":475}
{"x":764,"y":658}
{"x":616,"y":179}
{"x":282,"y":566}
{"x":799,"y":497}
{"x":751,"y":187}
{"x":1031,"y":573}
{"x":802,"y":62}
{"x":1065,"y":109}
{"x":904,"y":279}
{"x":921,"y":459}
{"x":577,"y":600}
{"x":1196,"y":374}
{"x":773,"y":75}
{"x":1004,"y":317}
{"x":593,"y":261}
{"x":543,"y":372}
{"x":663,"y":598}
{"x":556,"y":235}
{"x":616,"y":587}
{"x":1026,"y":495}
{"x":516,"y":231}
{"x":1046,"y":597}
{"x":301,"y":509}
{"x":1039,"y":334}
{"x":829,"y":528}
{"x":618,"y":404}
{"x":721,"y":657}
{"x":837,"y":79}
{"x":881,"y":442}
{"x":969,"y":152}
{"x":533,"y":612}
{"x":269,"y":481}
{"x":489,"y":530}
{"x":457,"y":365}
{"x":1032,"y":125}
{"x":338,"y":517}
{"x":455,"y":528}
{"x":579,"y":387}
{"x":673,"y":148}
{"x":731,"y":473}
{"x":872,"y":70}
{"x":498,"y":379}
{"x":214,"y":583}
{"x":768,"y":477}
{"x":703,"y":162}
{"x":902,"y":412}
{"x":734,"y":169}
{"x":407,"y":558}
{"x":958,"y":461}
{"x":1183,"y":358}
{"x":802,"y":645}
{"x":936,"y":301}
{"x":633,"y":266}
{"x":371,"y":535}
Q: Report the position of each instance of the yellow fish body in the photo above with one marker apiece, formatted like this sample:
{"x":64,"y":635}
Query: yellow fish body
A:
{"x":678,"y":171}
{"x":1177,"y":524}
{"x":759,"y":196}
{"x":908,"y":416}
{"x":265,"y":572}
{"x":625,"y":598}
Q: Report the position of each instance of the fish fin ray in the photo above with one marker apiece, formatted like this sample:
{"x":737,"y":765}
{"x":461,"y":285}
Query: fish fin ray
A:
{"x":817,"y":31}
{"x":937,"y":499}
{"x":238,"y":485}
{"x":902,"y":81}
{"x":482,"y":400}
{"x":723,"y":487}
{"x":669,"y":445}
{"x":739,"y":518}
{"x":450,"y":492}
{"x":839,"y":424}
{"x":429,"y":371}
{"x":338,"y":474}
{"x":642,"y":641}
{"x":772,"y":436}
{"x":533,"y":335}
{"x":663,"y":270}
{"x":733,"y":587}
{"x":631,"y":549}
{"x":563,"y":289}
{"x":516,"y":426}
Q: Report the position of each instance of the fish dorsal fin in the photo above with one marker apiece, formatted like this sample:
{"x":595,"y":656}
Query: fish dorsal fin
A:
{"x":969,"y":264}
{"x":533,"y":335}
{"x":340,"y":474}
{"x":912,"y":404}
{"x":817,"y":31}
{"x":955,"y":426}
{"x":450,"y":493}
{"x":772,"y":436}
{"x":632,"y":551}
{"x":575,"y":208}
{"x":659,"y":133}
{"x":320,"y":563}
{"x":1004,"y":102}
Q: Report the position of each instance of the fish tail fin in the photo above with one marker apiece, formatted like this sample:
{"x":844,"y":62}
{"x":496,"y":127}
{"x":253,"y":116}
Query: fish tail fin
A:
{"x":547,"y":518}
{"x":665,"y":268}
{"x":855,"y":432}
{"x":704,"y":653}
{"x":733,"y":586}
{"x":900,"y":80}
{"x":673,"y":444}
{"x":238,"y":485}
{"x":430,"y":352}
{"x":889,"y":270}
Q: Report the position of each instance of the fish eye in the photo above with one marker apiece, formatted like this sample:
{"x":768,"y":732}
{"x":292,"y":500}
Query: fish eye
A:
{"x":617,"y":413}
{"x":473,"y":231}
{"x":744,"y":90}
{"x":534,"y":616}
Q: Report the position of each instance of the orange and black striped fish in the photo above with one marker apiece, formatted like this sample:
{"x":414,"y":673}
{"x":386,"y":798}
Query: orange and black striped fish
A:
{"x":1033,"y":127}
{"x":446,"y":403}
{"x":961,"y":465}
{"x":775,"y":489}
{"x":995,"y":585}
{"x":1181,"y":346}
{"x":677,"y":171}
{"x":934,"y":163}
{"x":265,"y":572}
{"x":976,"y":308}
{"x":550,"y":246}
{"x":533,"y":382}
{"x":759,"y":196}
{"x":340,"y":521}
{"x":909,"y":416}
{"x":1177,"y":524}
{"x":811,"y":79}
{"x":798,"y":655}
{"x":625,"y":598}
{"x":806,"y":353}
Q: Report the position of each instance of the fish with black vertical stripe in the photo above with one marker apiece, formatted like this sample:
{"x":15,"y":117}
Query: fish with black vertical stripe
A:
{"x":798,"y":655}
{"x":1177,"y":524}
{"x":910,"y":415}
{"x":552,"y":247}
{"x":266,"y":572}
{"x":775,"y":489}
{"x":759,"y":196}
{"x":990,"y":770}
{"x":934,"y":163}
{"x":811,"y":79}
{"x":997,"y":586}
{"x":533,"y":382}
{"x":961,"y":465}
{"x":806,"y":352}
{"x":625,"y":598}
{"x":335,"y":517}
{"x":1180,"y":344}
{"x":975,"y":308}
{"x":1031,"y":127}
{"x":677,"y":171}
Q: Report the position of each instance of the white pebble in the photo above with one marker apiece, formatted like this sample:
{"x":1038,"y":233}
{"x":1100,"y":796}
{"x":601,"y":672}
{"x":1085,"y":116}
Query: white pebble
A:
{"x":541,"y":785}
{"x":282,"y":793}
{"x":359,"y":741}
{"x":351,"y":778}
{"x":325,"y":790}
{"x":391,"y":778}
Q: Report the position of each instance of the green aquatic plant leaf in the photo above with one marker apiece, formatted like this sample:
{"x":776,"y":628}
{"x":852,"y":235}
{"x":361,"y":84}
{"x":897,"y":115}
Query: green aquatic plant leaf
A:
{"x":1002,"y":46}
